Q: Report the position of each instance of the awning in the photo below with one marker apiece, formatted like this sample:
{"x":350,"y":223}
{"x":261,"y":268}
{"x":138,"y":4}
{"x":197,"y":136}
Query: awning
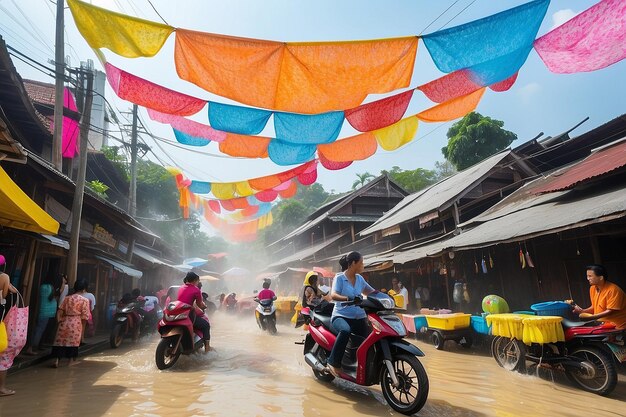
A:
{"x":121,"y":267}
{"x":57,"y":242}
{"x":310,"y":251}
{"x":18,"y":211}
{"x":152,"y":259}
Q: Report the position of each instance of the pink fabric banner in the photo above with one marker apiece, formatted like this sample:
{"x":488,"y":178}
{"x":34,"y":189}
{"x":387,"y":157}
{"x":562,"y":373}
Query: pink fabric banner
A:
{"x":190,"y":127}
{"x":148,"y":94}
{"x":593,"y":40}
{"x":71,"y":127}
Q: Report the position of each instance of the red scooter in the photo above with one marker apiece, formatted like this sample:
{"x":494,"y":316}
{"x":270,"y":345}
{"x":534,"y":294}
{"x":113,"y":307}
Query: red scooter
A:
{"x":382,"y":357}
{"x":586,"y":356}
{"x":178,"y":335}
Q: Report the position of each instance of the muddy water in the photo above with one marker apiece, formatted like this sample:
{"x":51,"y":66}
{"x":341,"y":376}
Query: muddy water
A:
{"x":253,"y":374}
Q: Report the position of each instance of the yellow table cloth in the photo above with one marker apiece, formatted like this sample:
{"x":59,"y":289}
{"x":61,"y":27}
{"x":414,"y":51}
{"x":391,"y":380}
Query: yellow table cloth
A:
{"x":527,"y":328}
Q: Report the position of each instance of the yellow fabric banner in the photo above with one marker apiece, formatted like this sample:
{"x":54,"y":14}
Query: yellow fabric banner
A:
{"x":392,"y":137}
{"x":294,"y":77}
{"x":125,"y":35}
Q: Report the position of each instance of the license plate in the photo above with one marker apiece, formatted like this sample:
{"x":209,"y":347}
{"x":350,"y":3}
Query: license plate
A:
{"x":267,"y":309}
{"x":618,"y":351}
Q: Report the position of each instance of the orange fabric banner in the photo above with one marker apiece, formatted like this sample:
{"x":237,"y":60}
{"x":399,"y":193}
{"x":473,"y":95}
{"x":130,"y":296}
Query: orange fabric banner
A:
{"x":452,"y":109}
{"x":294,"y":77}
{"x":355,"y":148}
{"x":245,"y":146}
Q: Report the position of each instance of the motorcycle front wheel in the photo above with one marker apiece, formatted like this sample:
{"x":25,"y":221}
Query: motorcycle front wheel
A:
{"x":165,"y":355}
{"x":598,"y":376}
{"x":271,"y":325}
{"x":117,"y":335}
{"x":412,"y":391}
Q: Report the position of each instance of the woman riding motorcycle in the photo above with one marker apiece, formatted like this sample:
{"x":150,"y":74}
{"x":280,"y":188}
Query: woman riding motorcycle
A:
{"x":190,"y":293}
{"x":348,"y":318}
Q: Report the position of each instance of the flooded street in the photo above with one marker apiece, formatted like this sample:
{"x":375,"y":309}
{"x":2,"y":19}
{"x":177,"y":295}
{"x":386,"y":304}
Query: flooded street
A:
{"x":254,"y":374}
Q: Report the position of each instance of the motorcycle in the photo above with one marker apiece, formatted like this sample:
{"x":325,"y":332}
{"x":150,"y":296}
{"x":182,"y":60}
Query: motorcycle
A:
{"x":382,"y":357}
{"x":131,"y":319}
{"x":178,"y":335}
{"x":585,"y":356}
{"x":265,"y":314}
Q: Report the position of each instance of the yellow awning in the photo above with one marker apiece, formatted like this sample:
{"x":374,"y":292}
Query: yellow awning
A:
{"x":20,"y":212}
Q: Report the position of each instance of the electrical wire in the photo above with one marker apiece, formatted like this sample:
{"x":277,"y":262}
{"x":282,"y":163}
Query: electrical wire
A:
{"x":157,"y":12}
{"x":456,"y":15}
{"x":438,"y":17}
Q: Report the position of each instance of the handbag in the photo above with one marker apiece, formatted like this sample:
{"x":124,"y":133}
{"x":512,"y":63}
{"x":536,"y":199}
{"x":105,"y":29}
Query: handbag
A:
{"x":16,"y":322}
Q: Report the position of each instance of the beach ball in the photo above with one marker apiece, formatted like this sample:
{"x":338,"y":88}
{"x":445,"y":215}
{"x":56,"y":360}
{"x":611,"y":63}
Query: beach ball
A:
{"x":494,"y":304}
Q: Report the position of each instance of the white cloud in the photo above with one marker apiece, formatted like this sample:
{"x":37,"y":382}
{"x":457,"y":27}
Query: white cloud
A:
{"x":562,"y":16}
{"x":528,"y":92}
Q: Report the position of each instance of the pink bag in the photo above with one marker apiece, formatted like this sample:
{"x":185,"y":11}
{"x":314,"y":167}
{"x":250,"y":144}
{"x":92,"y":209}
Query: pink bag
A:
{"x":16,"y":322}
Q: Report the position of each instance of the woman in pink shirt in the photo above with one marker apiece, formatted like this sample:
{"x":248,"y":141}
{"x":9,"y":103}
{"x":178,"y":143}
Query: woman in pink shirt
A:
{"x":190,"y":293}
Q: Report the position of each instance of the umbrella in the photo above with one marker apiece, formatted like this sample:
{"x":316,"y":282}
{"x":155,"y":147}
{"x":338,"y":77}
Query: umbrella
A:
{"x":218,"y":255}
{"x":236,"y":272}
{"x":208,"y":278}
{"x":324,"y":272}
{"x":195,"y":262}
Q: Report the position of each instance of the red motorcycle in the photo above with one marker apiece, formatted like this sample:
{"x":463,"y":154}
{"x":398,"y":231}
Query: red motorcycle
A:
{"x":382,"y":357}
{"x":586,"y":356}
{"x":178,"y":335}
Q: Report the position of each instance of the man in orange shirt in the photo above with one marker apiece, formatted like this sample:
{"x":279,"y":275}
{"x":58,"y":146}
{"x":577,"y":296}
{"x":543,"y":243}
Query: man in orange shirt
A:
{"x":608,"y":301}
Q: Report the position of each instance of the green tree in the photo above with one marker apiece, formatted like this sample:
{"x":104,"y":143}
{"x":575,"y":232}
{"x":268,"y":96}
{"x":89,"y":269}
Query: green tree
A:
{"x":474,"y":138}
{"x":363,"y":179}
{"x":412,"y":180}
{"x":291,"y":214}
{"x":444,"y":169}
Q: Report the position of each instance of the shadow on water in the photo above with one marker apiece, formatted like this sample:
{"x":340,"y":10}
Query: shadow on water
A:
{"x":66,"y":391}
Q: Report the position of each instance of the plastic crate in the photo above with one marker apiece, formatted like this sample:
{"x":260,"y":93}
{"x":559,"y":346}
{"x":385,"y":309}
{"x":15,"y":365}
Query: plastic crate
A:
{"x":449,"y":321}
{"x":420,"y":322}
{"x":479,"y":324}
{"x":526,"y":312}
{"x":552,"y":308}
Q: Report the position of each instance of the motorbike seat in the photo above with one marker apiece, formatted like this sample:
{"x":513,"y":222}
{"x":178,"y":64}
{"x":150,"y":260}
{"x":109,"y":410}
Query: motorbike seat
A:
{"x":325,"y":321}
{"x":568,"y":324}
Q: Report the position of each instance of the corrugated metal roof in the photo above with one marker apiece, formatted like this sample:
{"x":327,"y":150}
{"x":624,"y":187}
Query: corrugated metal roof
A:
{"x":598,"y":163}
{"x":539,"y":215}
{"x":437,"y":196}
{"x":365,"y":218}
{"x":310,"y":251}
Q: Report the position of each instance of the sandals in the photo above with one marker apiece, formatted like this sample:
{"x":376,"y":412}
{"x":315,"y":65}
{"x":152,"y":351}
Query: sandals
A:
{"x":6,"y":393}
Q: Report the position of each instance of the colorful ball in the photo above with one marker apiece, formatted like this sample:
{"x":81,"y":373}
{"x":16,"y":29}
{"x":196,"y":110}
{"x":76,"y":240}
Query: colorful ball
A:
{"x":494,"y":304}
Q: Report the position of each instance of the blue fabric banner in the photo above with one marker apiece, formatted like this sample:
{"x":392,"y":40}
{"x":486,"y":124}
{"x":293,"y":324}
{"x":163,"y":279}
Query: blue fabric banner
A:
{"x":200,"y":187}
{"x":285,"y":153}
{"x":187,"y":139}
{"x":308,"y":129}
{"x":237,"y":119}
{"x":500,"y":39}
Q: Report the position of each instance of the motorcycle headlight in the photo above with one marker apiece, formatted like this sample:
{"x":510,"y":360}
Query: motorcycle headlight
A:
{"x":396,"y":324}
{"x":127,"y":309}
{"x":388,"y":303}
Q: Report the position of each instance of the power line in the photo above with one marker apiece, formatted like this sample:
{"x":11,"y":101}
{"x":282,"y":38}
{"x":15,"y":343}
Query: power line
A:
{"x":157,"y":12}
{"x":437,"y":18}
{"x":456,"y":15}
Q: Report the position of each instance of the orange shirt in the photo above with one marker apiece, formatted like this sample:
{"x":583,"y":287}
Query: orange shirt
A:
{"x":609,"y":297}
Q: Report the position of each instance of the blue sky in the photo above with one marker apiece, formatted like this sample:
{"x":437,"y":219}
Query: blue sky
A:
{"x":539,"y":101}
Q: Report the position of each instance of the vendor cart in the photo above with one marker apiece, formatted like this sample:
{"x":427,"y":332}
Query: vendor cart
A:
{"x":455,"y":326}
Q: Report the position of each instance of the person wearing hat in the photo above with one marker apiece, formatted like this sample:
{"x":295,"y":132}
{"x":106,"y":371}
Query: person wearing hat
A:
{"x":5,"y":361}
{"x":311,"y":295}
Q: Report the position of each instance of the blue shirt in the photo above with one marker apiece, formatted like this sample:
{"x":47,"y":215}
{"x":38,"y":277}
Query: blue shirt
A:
{"x":342,"y":286}
{"x":47,"y":308}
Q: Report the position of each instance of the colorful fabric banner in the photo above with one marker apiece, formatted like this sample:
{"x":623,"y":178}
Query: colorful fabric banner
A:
{"x":452,"y":109}
{"x":127,"y":36}
{"x":187,"y":126}
{"x":71,"y":128}
{"x":594,"y":39}
{"x":355,"y":148}
{"x":494,"y":47}
{"x":303,"y":129}
{"x":398,"y":134}
{"x":187,"y":139}
{"x":237,"y":119}
{"x":332,"y":165}
{"x":245,"y":146}
{"x":379,"y":114}
{"x":295,"y":77}
{"x":284,"y":153}
{"x":148,"y":94}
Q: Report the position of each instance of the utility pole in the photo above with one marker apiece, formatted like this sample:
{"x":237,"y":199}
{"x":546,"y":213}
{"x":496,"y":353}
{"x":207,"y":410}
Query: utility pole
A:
{"x":132,"y":198}
{"x":59,"y":64}
{"x":77,"y":206}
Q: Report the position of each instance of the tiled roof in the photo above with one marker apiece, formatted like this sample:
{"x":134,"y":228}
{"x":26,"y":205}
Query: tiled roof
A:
{"x":40,"y":92}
